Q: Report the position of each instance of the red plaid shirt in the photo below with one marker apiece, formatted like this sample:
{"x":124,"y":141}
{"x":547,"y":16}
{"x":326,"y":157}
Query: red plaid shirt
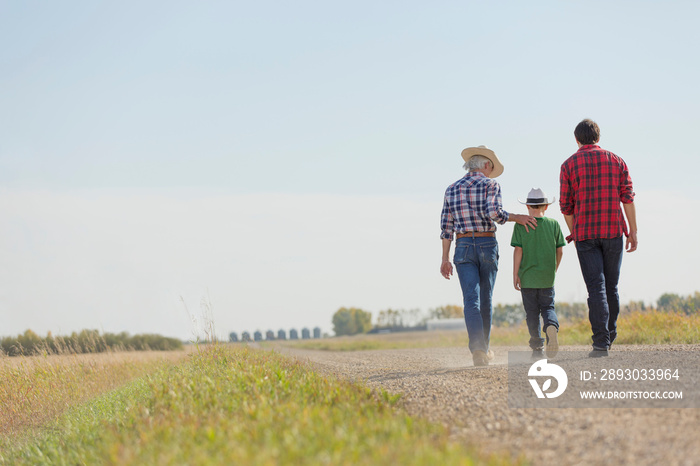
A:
{"x":593,"y":183}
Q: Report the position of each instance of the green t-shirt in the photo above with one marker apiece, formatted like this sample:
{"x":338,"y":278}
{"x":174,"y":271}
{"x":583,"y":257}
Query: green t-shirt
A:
{"x":539,"y":252}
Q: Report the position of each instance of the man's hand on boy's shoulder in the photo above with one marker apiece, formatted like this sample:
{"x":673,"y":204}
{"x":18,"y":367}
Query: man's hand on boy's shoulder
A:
{"x":528,"y":221}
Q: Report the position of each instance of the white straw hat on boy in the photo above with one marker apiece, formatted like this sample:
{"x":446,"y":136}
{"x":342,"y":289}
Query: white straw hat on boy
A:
{"x":536,"y":197}
{"x":469,"y":152}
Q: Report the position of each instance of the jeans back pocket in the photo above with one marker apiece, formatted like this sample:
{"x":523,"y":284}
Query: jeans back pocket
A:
{"x":489,"y":254}
{"x":462,"y":253}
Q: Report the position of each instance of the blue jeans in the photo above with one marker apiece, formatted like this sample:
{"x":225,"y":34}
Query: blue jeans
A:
{"x":600,"y":261}
{"x":476,"y":261}
{"x":538,"y":301}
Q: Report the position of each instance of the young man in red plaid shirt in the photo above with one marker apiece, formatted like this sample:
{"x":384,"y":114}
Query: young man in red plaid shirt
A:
{"x":594,"y":182}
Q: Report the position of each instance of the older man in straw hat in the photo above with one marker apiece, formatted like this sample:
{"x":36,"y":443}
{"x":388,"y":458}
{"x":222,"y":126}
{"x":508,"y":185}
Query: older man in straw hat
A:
{"x":471,"y":210}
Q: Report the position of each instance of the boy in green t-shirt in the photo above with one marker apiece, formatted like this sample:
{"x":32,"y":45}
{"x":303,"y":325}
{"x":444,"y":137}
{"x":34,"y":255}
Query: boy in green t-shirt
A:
{"x":535,"y":261}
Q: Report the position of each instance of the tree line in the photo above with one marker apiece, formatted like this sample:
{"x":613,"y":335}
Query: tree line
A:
{"x":352,"y":321}
{"x":85,"y":341}
{"x":685,"y":304}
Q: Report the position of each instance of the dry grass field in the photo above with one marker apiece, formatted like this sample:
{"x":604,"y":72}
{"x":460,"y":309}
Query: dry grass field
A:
{"x":37,"y":389}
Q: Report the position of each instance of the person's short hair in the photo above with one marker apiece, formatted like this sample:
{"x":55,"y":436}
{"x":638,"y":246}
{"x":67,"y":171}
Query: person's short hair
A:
{"x":538,"y":206}
{"x":477,"y":162}
{"x":587,"y":132}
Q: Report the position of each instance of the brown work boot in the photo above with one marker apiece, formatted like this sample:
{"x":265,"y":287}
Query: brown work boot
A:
{"x":490,"y":356}
{"x":480,"y":358}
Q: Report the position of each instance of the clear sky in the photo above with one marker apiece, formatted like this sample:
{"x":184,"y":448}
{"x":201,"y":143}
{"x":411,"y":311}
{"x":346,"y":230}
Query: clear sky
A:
{"x":279,"y":160}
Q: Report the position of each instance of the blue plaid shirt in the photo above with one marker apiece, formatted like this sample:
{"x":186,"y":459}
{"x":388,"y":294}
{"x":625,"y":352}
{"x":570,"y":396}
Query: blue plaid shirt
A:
{"x":472,"y":204}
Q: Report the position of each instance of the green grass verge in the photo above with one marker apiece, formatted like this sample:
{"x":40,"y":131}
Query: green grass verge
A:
{"x":229,"y":405}
{"x":653,"y":327}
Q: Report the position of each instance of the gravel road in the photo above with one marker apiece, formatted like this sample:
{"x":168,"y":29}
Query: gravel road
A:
{"x":442,"y":385}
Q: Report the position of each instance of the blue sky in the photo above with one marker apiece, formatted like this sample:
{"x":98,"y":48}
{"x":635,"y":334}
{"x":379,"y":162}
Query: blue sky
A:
{"x":288,"y":159}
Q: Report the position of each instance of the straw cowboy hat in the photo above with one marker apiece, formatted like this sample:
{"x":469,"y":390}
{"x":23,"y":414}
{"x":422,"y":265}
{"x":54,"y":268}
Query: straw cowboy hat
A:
{"x":469,"y":152}
{"x":536,"y":197}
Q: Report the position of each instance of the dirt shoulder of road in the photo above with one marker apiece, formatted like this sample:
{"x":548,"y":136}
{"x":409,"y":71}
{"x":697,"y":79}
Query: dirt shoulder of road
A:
{"x":442,"y":385}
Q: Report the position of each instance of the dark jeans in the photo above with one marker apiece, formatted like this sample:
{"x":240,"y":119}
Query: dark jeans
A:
{"x":476,"y":261}
{"x":600,"y":261}
{"x":538,"y":302}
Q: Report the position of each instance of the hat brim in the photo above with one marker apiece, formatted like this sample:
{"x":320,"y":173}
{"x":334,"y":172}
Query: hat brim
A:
{"x":526,"y":202}
{"x":498,"y":168}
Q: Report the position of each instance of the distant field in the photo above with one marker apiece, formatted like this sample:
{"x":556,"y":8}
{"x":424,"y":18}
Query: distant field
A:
{"x":652,"y":327}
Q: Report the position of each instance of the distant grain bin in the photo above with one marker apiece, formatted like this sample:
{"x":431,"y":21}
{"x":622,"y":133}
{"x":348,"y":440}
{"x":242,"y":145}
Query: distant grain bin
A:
{"x":317,"y":332}
{"x":269,"y":335}
{"x":305,"y":334}
{"x":245,"y":336}
{"x":293,"y":335}
{"x":281,"y":335}
{"x":233,"y":337}
{"x":257,"y":336}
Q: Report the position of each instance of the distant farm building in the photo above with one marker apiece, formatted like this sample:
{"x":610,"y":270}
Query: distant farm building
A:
{"x":257,"y":336}
{"x":305,"y":334}
{"x":233,"y":337}
{"x":281,"y":335}
{"x":446,"y":324}
{"x":293,"y":334}
{"x":317,"y":332}
{"x":269,"y":335}
{"x":245,"y":336}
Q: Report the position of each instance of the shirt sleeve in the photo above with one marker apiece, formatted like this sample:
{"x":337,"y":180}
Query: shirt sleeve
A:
{"x":515,"y":239}
{"x":446,"y":221}
{"x":626,"y":189}
{"x":494,"y":204}
{"x":566,"y":194}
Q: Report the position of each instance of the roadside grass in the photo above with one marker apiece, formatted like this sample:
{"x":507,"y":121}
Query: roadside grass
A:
{"x":235,"y":405}
{"x":656,"y":327}
{"x":398,"y":340}
{"x":37,"y":389}
{"x":639,"y":327}
{"x":500,"y":336}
